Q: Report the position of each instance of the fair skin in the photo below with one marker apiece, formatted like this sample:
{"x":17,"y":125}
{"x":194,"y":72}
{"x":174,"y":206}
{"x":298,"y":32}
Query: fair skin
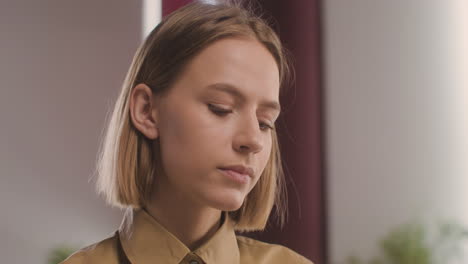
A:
{"x":217,"y":113}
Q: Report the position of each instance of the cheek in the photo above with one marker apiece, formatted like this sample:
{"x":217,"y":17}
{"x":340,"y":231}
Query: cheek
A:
{"x":189,"y":140}
{"x":264,"y":156}
{"x":262,"y":161}
{"x":192,"y":131}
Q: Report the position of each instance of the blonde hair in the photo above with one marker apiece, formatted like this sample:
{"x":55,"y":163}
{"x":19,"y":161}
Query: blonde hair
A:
{"x":128,"y":161}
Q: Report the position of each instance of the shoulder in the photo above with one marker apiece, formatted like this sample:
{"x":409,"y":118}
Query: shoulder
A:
{"x":255,"y":251}
{"x":101,"y":252}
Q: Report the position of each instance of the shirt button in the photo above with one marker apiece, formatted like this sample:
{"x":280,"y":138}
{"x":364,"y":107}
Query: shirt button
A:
{"x":193,"y":262}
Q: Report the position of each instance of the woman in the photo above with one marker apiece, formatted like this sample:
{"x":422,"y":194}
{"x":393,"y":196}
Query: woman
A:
{"x":191,"y":149}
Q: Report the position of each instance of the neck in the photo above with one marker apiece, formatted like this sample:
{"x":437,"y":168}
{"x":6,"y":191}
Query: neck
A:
{"x":191,"y":223}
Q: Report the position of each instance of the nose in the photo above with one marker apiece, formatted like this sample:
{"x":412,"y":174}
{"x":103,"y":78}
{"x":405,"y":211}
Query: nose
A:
{"x":248,"y":138}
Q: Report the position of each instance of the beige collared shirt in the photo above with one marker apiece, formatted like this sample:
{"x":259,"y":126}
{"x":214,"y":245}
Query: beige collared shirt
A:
{"x":147,"y":242}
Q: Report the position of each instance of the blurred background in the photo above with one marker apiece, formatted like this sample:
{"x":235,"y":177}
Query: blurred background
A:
{"x":375,"y":134}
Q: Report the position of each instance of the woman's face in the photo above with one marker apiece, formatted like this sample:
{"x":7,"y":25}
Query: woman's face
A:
{"x":218,"y":114}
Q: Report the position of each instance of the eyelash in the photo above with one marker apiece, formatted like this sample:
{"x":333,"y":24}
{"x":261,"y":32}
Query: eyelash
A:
{"x":223,"y":112}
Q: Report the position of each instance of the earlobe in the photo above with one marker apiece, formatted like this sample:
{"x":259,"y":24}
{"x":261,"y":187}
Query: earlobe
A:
{"x":143,"y":112}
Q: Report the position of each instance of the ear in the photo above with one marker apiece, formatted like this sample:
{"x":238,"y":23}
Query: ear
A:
{"x":143,"y":112}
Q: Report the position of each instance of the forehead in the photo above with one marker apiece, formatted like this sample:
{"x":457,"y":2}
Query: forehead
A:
{"x":242,"y":63}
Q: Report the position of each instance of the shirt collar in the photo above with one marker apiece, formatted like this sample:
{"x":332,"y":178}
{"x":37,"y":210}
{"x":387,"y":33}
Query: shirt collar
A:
{"x":146,"y":241}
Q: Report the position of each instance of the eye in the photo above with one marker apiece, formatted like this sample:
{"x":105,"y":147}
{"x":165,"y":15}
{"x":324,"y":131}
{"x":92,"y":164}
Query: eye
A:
{"x":265,"y":126}
{"x":219,"y":110}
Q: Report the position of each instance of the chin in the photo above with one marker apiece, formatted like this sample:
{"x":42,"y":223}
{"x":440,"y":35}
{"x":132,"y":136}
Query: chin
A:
{"x":229,"y":201}
{"x":230,"y":207}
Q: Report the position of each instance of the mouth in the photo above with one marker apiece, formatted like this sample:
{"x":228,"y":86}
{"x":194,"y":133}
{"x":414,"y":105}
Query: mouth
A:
{"x":235,"y":176}
{"x":239,"y":169}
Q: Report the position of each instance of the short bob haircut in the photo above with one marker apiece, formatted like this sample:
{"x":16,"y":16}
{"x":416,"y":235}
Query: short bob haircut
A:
{"x":128,"y":165}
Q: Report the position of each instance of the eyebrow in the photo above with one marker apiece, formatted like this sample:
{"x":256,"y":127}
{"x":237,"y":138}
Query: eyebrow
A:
{"x":232,"y":90}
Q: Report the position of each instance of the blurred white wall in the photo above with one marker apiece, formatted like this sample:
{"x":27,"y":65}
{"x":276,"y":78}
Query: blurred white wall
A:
{"x":61,"y":65}
{"x":397,"y":117}
{"x":151,"y":15}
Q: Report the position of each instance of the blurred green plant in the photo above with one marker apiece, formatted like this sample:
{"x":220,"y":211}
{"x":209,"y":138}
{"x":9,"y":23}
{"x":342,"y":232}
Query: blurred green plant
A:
{"x":410,"y":244}
{"x":59,"y":254}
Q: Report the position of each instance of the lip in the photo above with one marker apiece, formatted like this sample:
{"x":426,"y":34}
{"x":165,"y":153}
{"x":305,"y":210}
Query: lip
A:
{"x":235,"y":176}
{"x":240,"y":169}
